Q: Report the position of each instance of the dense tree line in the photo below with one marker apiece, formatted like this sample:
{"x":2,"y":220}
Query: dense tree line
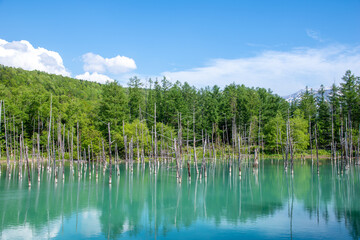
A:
{"x":260,"y":117}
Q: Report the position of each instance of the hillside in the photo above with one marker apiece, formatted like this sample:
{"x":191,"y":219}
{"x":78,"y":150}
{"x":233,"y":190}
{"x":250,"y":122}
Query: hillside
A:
{"x":27,"y":96}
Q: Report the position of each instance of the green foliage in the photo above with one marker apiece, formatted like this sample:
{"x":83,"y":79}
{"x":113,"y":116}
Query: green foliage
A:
{"x":136,"y":97}
{"x":350,"y":96}
{"x":308,"y":104}
{"x":113,"y":106}
{"x":220,"y":113}
{"x":275,"y":133}
{"x":137,"y":131}
{"x":299,"y":131}
{"x":323,"y":120}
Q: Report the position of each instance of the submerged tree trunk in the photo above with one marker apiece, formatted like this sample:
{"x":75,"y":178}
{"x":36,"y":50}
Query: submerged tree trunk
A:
{"x":21,"y":156}
{"x":317,"y":151}
{"x":311,"y":147}
{"x":0,"y":127}
{"x":125,"y":143}
{"x":239,"y":145}
{"x":291,"y":148}
{"x":89,"y":160}
{"x":131,"y":154}
{"x":28,"y":166}
{"x":194,"y":143}
{"x":72,"y":147}
{"x":155,"y":141}
{"x":256,"y":162}
{"x":177,"y":161}
{"x":332,"y":135}
{"x":77,"y":142}
{"x":212,"y":140}
{"x":63,"y":153}
{"x":110,"y":167}
{"x":204,"y":160}
{"x":6,"y":141}
{"x":49,"y":135}
{"x":358,"y":148}
{"x":38,"y":156}
{"x":287,"y":143}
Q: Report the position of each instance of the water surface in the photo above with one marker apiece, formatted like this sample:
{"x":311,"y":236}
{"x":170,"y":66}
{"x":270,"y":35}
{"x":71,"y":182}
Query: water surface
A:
{"x":266,"y":203}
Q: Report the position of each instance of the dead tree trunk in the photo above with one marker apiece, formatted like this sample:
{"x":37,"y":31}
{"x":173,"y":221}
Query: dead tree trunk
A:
{"x":0,"y":126}
{"x":59,"y":140}
{"x":103,"y":154}
{"x":188,"y":166}
{"x":180,"y":140}
{"x":194,"y":143}
{"x":6,"y":141}
{"x":54,"y":154}
{"x":287,"y":143}
{"x":49,"y":135}
{"x":131,"y":154}
{"x":332,"y":135}
{"x":259,"y":130}
{"x":137,"y":146}
{"x":213,"y":142}
{"x":21,"y":156}
{"x":77,"y":142}
{"x":155,"y":140}
{"x":125,"y":143}
{"x":28,"y":166}
{"x":14,"y":142}
{"x":142,"y":147}
{"x":116,"y":160}
{"x":350,"y":139}
{"x":38,"y":157}
{"x":342,"y":150}
{"x":249,"y":140}
{"x":317,"y":151}
{"x":97,"y":162}
{"x":291,"y":150}
{"x":63,"y":153}
{"x":239,"y":159}
{"x":72,"y":147}
{"x":110,"y":167}
{"x":177,"y":161}
{"x":21,"y":143}
{"x":89,"y":160}
{"x":311,"y":148}
{"x":358,"y":148}
{"x":204,"y":160}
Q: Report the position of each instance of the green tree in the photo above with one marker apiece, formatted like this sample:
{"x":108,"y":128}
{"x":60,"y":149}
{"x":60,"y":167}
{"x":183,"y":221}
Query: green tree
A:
{"x":323,"y":120}
{"x":113,"y":106}
{"x":299,"y":131}
{"x":275,"y":133}
{"x":349,"y":96}
{"x":136,"y":97}
{"x":307,"y":104}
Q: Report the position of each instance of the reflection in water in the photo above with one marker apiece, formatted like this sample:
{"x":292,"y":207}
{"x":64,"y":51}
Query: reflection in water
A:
{"x":264,"y":203}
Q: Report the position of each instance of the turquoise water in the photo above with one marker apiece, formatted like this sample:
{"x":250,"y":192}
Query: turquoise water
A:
{"x":267,"y":203}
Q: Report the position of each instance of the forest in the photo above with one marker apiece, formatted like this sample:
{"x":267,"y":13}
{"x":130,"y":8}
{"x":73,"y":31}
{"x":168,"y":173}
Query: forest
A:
{"x":146,"y":116}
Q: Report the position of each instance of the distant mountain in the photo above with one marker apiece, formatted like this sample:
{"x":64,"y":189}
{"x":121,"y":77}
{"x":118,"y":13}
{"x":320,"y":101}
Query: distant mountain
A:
{"x":297,"y":95}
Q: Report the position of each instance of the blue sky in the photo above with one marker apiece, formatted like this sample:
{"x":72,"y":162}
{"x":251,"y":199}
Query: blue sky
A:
{"x":282,"y":45}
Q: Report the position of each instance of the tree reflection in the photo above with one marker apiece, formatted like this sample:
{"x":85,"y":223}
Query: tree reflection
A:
{"x":142,"y":203}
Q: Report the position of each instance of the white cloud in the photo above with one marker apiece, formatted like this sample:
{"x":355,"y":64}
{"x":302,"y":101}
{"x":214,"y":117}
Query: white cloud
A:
{"x":94,"y":77}
{"x":115,"y":65}
{"x":283,"y":72}
{"x":22,"y":54}
{"x":27,"y":231}
{"x":89,"y":225}
{"x":314,"y":35}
